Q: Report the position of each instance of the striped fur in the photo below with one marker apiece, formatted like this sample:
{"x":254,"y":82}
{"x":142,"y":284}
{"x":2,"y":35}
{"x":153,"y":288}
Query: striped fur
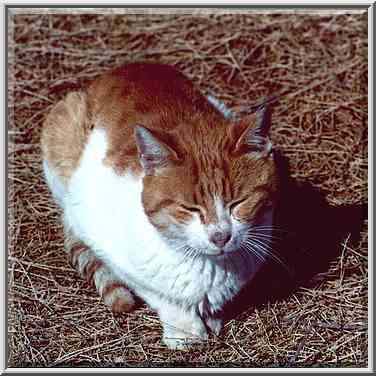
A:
{"x":113,"y":292}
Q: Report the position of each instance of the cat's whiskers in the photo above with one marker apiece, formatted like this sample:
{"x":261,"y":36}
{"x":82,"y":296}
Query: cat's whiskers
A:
{"x":268,"y":231}
{"x":250,"y":249}
{"x":266,"y":249}
{"x":194,"y":254}
{"x":187,"y":252}
{"x":245,"y":250}
{"x":272,"y":239}
{"x":258,"y":252}
{"x":270,"y":227}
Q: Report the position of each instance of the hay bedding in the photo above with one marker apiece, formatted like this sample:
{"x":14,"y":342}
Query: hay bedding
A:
{"x":317,"y":63}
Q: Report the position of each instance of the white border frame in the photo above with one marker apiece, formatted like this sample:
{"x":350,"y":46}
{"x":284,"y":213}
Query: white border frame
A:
{"x":210,"y":3}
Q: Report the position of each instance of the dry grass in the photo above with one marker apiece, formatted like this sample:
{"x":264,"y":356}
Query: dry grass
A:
{"x":316,"y":63}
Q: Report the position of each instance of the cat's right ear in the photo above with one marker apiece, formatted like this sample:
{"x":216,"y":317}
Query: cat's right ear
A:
{"x":252,"y":133}
{"x":153,"y":152}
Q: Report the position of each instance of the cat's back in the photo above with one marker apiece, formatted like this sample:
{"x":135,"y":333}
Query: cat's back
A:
{"x":115,"y":101}
{"x":155,"y":95}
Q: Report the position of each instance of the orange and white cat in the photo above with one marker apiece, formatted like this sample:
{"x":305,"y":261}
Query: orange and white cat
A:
{"x":163,"y":193}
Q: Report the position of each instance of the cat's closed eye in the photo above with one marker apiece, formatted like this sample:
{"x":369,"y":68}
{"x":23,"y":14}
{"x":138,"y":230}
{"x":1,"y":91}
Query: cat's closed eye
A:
{"x":191,"y":209}
{"x":232,"y":205}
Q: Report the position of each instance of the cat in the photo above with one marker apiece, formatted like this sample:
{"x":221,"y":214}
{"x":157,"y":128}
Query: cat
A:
{"x":164,"y":194}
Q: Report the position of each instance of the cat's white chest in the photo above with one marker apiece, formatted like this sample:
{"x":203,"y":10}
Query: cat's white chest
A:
{"x":105,"y":210}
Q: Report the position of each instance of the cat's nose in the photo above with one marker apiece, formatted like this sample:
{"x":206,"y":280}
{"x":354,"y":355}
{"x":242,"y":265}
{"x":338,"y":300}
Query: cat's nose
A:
{"x":220,"y":239}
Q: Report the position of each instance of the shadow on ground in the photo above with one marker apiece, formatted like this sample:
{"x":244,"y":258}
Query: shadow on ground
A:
{"x":310,"y":233}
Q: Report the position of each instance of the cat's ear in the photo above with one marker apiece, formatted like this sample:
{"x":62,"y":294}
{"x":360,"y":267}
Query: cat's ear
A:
{"x":251,"y":134}
{"x":153,"y":152}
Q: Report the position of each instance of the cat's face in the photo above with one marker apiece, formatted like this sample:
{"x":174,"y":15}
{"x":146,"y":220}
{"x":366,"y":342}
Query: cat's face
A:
{"x":205,"y":194}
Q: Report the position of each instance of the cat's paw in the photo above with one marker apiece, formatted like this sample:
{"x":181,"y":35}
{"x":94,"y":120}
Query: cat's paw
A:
{"x":214,"y":324}
{"x":186,"y":331}
{"x":181,"y":343}
{"x":118,"y":298}
{"x":179,"y":340}
{"x":181,"y":328}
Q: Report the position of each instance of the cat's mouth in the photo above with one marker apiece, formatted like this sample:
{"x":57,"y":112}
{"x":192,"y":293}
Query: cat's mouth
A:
{"x":218,"y":253}
{"x":222,"y":252}
{"x":221,"y":256}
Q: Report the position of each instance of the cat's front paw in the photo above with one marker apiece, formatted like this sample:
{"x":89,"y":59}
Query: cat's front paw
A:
{"x":182,"y":329}
{"x":214,"y":324}
{"x":181,"y":340}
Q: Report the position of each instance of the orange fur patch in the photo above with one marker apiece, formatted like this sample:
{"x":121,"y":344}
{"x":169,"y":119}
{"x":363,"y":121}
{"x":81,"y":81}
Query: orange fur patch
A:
{"x":210,"y":164}
{"x":64,"y":134}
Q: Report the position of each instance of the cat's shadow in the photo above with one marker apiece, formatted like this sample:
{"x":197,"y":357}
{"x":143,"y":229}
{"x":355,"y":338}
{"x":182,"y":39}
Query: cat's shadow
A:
{"x":310,"y":235}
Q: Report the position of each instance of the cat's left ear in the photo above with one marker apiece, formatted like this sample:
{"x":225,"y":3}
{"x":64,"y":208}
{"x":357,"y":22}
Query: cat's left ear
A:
{"x":252,"y":133}
{"x":154,"y":152}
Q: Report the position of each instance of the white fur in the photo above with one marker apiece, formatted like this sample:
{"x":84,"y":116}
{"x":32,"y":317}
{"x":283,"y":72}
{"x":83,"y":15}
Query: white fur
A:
{"x":56,"y":186}
{"x":220,"y":106}
{"x":105,"y":211}
{"x":198,"y":235}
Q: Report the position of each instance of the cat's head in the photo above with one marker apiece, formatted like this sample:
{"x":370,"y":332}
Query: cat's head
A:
{"x":205,"y":187}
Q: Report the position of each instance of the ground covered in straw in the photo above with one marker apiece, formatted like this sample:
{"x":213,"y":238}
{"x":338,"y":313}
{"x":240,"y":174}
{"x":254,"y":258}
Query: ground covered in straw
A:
{"x":317,"y":66}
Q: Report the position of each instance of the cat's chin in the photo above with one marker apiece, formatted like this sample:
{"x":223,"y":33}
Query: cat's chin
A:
{"x":218,"y":254}
{"x":216,"y":257}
